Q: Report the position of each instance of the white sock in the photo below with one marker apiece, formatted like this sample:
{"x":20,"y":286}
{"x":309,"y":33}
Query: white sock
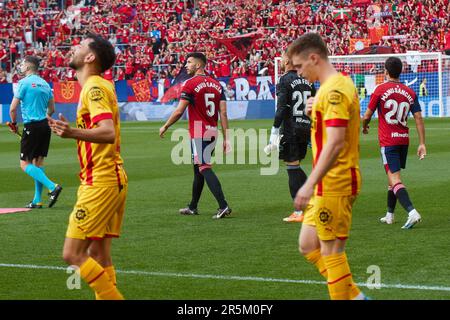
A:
{"x":413,"y":211}
{"x":389,"y":215}
{"x":298,"y":212}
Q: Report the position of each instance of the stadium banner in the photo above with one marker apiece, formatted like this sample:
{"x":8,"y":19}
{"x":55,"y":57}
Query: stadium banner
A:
{"x":141,"y":90}
{"x":6,"y":93}
{"x":248,"y":98}
{"x":66,"y":92}
{"x":145,"y":88}
{"x":245,"y":88}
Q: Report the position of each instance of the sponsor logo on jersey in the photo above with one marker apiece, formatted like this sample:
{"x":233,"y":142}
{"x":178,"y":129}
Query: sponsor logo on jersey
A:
{"x":95,"y":94}
{"x":399,"y":135}
{"x":334,"y":97}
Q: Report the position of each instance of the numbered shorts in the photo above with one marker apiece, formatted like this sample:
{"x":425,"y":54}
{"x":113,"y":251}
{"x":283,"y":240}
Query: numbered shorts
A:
{"x":332,"y":216}
{"x":35,"y":140}
{"x":98,"y":212}
{"x":394,"y":157}
{"x":202,"y":151}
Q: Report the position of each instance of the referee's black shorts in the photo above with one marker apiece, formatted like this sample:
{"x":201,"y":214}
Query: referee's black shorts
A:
{"x":35,"y":140}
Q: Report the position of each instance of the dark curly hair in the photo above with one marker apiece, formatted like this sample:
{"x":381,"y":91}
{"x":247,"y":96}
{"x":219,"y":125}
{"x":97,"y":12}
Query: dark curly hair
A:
{"x":103,"y":50}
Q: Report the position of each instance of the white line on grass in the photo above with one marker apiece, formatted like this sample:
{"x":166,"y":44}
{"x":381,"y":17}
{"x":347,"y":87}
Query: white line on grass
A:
{"x":237,"y":278}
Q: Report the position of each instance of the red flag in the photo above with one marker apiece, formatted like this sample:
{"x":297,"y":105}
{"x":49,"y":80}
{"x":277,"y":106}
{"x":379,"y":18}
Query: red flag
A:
{"x":141,"y":90}
{"x":375,"y":34}
{"x":240,"y":45}
{"x":66,"y":92}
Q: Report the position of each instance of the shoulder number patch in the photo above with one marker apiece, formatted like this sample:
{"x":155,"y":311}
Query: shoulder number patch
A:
{"x":334,"y":97}
{"x":95,"y":94}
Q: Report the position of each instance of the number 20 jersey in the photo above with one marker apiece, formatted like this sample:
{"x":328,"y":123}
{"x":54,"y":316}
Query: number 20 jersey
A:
{"x":393,"y":101}
{"x":204,"y":94}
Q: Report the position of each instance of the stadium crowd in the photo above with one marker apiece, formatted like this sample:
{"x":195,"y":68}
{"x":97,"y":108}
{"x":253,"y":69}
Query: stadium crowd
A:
{"x":151,"y":37}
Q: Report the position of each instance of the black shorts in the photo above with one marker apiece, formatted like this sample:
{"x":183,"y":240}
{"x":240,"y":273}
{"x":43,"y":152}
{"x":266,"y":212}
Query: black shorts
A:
{"x":35,"y":140}
{"x":292,"y":149}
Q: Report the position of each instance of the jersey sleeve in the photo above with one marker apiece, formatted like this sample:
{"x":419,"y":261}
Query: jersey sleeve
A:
{"x":416,"y":106}
{"x":282,"y":94}
{"x":374,"y":100}
{"x":282,"y":104}
{"x":222,"y":95}
{"x":187,"y":93}
{"x":98,"y":100}
{"x":336,"y":109}
{"x":20,"y":92}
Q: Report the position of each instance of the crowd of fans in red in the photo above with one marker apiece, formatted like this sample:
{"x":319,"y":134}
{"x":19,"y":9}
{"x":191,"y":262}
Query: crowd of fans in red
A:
{"x":152,"y":37}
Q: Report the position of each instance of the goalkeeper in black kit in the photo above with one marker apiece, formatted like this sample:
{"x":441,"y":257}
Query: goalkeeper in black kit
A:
{"x":292,"y":127}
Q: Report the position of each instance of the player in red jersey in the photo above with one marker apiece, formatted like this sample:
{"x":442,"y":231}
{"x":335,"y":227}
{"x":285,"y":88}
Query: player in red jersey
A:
{"x":205,"y":98}
{"x":393,"y":101}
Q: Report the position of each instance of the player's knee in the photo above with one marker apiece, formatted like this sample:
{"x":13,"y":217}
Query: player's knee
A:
{"x":304,"y":248}
{"x":68,"y":257}
{"x":72,"y":258}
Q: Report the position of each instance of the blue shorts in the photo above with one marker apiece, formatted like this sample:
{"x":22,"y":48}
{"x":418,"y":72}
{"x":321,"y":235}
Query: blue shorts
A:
{"x":202,"y":152}
{"x":394,"y":157}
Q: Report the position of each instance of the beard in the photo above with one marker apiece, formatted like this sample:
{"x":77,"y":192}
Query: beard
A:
{"x":190,"y":71}
{"x":74,"y":65}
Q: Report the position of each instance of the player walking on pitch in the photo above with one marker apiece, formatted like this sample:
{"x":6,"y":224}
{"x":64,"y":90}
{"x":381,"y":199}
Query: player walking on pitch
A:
{"x":205,"y":98}
{"x":98,"y":213}
{"x":328,"y":194}
{"x":294,"y":127}
{"x":393,"y":101}
{"x":36,"y":99}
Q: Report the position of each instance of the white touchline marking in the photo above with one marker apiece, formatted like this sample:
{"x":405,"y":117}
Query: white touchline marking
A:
{"x":224,"y":277}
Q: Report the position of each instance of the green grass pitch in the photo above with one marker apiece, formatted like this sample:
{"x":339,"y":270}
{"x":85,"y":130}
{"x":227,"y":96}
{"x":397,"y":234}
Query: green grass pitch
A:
{"x":163,"y":255}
